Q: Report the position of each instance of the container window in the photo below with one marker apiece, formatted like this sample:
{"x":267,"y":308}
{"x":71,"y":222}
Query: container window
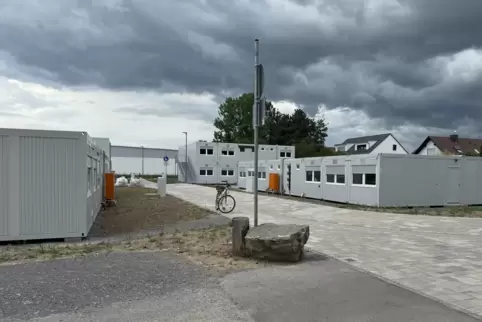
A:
{"x":202,"y":151}
{"x":297,"y":167}
{"x":230,"y":172}
{"x":288,"y":154}
{"x":370,"y":179}
{"x":282,"y":154}
{"x":330,"y":178}
{"x":264,"y":175}
{"x":241,"y":149}
{"x":210,"y":151}
{"x":340,"y":178}
{"x":317,"y":176}
{"x":224,"y":172}
{"x":231,"y":153}
{"x":394,"y":147}
{"x":209,"y":172}
{"x":202,"y":172}
{"x":309,"y":176}
{"x":357,"y":178}
{"x":224,"y":152}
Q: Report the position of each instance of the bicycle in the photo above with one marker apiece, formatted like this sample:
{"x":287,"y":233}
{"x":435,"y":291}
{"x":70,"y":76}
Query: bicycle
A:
{"x":224,"y":199}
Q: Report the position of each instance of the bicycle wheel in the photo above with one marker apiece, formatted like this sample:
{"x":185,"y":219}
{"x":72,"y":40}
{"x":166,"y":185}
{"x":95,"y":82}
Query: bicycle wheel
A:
{"x":226,"y":204}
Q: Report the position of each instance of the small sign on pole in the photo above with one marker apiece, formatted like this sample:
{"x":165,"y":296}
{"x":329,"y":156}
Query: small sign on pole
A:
{"x":166,"y":160}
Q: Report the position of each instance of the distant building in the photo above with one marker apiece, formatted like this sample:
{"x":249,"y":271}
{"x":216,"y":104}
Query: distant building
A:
{"x":372,"y":144}
{"x":142,"y":160}
{"x":449,"y":145}
{"x":214,"y":162}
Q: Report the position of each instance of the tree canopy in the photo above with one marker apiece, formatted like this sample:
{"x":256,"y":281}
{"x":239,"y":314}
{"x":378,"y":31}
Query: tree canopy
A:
{"x":234,"y":124}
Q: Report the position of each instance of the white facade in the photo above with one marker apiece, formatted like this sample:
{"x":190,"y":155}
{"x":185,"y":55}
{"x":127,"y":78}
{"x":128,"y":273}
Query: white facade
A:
{"x":385,"y":180}
{"x":389,"y":145}
{"x":50,"y":184}
{"x":104,"y":144}
{"x":430,"y":149}
{"x":215,"y":162}
{"x":142,"y":160}
{"x":371,"y":145}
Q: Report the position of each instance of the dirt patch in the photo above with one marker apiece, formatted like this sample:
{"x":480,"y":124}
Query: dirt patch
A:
{"x":142,"y":209}
{"x":209,"y":247}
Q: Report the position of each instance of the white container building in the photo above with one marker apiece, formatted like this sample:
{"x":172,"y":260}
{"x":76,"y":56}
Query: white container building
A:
{"x":385,"y":180}
{"x":214,"y":162}
{"x":50,"y":184}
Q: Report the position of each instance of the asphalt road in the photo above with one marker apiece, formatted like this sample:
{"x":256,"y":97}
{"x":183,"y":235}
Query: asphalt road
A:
{"x":166,"y":287}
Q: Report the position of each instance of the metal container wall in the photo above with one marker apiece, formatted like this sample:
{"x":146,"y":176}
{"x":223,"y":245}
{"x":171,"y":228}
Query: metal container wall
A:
{"x":43,"y":184}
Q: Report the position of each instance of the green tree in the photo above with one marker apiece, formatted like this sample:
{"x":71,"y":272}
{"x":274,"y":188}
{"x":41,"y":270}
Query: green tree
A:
{"x":234,"y":124}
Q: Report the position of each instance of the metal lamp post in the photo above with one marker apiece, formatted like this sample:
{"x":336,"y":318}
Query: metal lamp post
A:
{"x":187,"y":165}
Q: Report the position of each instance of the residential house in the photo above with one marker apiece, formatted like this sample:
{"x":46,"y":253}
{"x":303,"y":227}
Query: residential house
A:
{"x":372,"y":144}
{"x":449,"y":145}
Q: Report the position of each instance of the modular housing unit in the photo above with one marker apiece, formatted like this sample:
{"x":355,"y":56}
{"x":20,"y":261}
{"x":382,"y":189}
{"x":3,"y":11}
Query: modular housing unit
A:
{"x":386,"y":180}
{"x":142,"y":160}
{"x":106,"y":146}
{"x":50,"y":184}
{"x":215,"y":162}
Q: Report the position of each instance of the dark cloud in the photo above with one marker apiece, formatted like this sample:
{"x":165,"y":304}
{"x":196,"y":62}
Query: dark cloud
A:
{"x":413,"y":61}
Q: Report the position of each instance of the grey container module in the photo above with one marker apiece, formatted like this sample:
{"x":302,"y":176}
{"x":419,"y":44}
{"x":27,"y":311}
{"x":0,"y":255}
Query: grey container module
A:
{"x":50,"y":184}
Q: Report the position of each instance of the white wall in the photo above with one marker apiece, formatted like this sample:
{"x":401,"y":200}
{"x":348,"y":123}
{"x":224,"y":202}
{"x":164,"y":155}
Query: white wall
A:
{"x":430,"y":149}
{"x":152,"y":166}
{"x":387,"y":147}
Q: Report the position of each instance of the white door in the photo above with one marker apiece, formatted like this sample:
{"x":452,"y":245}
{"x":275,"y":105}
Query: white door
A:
{"x":453,"y":185}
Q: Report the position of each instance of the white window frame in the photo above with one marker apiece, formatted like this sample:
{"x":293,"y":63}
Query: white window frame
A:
{"x":364,"y":184}
{"x":313,"y":176}
{"x":288,"y":154}
{"x":224,"y":152}
{"x":206,"y":172}
{"x":282,"y":154}
{"x":262,"y":175}
{"x":361,"y":144}
{"x":205,"y":151}
{"x":209,"y":149}
{"x":229,"y":153}
{"x":232,"y":174}
{"x":225,"y":172}
{"x":330,"y":182}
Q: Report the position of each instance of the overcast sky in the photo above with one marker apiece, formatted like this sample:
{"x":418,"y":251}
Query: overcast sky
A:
{"x":143,"y":71}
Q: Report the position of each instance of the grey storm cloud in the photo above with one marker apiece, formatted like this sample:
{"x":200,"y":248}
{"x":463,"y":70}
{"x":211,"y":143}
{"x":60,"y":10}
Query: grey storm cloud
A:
{"x":385,"y":57}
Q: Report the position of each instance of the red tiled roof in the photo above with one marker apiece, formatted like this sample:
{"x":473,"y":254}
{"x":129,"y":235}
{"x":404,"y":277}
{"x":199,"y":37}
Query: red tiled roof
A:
{"x":447,"y":145}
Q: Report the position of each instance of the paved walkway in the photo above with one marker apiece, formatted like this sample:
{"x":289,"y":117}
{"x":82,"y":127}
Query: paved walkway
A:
{"x":439,"y":257}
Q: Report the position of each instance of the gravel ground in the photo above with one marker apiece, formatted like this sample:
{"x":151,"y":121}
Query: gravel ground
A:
{"x":152,"y":286}
{"x":96,"y":288}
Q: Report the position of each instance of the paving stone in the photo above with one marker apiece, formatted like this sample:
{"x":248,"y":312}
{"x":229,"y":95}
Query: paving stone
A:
{"x":437,"y":256}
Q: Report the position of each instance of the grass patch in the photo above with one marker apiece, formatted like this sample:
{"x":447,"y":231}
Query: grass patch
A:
{"x":209,"y":247}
